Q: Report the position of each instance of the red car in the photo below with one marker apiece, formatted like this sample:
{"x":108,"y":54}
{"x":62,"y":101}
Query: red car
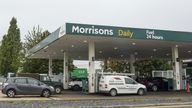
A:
{"x":155,"y":83}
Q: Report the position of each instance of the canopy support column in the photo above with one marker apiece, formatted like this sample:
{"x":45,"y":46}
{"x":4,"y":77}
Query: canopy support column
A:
{"x":132,"y":61}
{"x":65,"y":71}
{"x":50,"y":66}
{"x":176,"y":72}
{"x":91,"y":51}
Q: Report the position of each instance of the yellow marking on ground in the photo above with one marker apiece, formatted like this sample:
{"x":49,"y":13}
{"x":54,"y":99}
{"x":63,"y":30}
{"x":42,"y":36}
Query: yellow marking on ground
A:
{"x":169,"y":106}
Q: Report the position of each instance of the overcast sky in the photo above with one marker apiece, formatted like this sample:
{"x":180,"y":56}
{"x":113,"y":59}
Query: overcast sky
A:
{"x":50,"y":14}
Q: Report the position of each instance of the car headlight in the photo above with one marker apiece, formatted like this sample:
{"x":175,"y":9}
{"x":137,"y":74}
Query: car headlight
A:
{"x":71,"y":84}
{"x":51,"y":87}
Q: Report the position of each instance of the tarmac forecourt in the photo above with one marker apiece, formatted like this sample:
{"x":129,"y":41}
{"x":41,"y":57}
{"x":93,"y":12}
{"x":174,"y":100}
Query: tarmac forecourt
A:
{"x":166,"y":96}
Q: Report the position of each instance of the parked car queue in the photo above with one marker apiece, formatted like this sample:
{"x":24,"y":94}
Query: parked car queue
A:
{"x":111,"y":84}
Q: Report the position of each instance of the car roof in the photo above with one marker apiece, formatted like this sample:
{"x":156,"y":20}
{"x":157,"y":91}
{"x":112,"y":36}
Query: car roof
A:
{"x":115,"y":76}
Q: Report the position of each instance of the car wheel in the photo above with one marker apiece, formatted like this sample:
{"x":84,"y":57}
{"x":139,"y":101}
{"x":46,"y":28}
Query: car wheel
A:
{"x":76,"y":87}
{"x":58,"y":89}
{"x":113,"y":92}
{"x":154,"y":88}
{"x":46,"y":93}
{"x":11,"y":93}
{"x":141,"y":92}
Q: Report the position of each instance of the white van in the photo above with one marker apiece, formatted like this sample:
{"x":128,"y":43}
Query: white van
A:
{"x":116,"y":84}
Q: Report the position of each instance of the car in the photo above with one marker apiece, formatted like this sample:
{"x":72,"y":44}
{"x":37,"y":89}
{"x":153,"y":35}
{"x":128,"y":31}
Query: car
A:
{"x":158,"y":83}
{"x":58,"y":85}
{"x":117,"y":84}
{"x":155,"y":83}
{"x":2,"y":79}
{"x":26,"y":86}
{"x":75,"y":84}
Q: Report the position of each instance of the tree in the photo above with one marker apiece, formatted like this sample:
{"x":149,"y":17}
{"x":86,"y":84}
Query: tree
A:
{"x":119,"y":66}
{"x":34,"y":37}
{"x":145,"y":67}
{"x":3,"y":60}
{"x":10,"y":49}
{"x":31,"y":39}
{"x":40,"y":65}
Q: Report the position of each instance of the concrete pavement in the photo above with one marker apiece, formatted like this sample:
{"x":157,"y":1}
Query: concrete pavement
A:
{"x":168,"y":106}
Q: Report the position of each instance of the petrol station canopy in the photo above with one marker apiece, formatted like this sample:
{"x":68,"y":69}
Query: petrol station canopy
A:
{"x":112,"y":42}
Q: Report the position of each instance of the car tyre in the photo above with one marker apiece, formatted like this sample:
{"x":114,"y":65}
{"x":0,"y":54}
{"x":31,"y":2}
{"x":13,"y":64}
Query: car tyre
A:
{"x":154,"y":88}
{"x":76,"y":87}
{"x":113,"y":92}
{"x":58,"y":89}
{"x":11,"y":93}
{"x":141,"y":92}
{"x":46,"y":93}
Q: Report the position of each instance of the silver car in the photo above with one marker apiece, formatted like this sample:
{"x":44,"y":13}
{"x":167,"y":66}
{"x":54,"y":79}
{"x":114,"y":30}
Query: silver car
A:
{"x":25,"y":86}
{"x":2,"y":79}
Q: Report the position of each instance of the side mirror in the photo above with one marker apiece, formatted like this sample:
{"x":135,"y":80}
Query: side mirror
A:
{"x":39,"y":84}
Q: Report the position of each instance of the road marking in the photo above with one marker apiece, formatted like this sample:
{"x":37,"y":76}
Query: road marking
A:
{"x":172,"y":106}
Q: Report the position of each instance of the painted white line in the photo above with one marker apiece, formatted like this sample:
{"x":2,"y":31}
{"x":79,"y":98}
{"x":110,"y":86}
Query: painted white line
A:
{"x":150,"y":105}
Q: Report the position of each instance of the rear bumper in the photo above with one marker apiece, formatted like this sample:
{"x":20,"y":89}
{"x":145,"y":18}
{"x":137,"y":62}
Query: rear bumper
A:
{"x":52,"y":90}
{"x":104,"y":91}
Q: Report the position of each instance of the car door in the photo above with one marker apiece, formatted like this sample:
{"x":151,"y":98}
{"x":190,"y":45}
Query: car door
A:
{"x":35,"y":86}
{"x":156,"y":81}
{"x":130,"y":85}
{"x":21,"y":86}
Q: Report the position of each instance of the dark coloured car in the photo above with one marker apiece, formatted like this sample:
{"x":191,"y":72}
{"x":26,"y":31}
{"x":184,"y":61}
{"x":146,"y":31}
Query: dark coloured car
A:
{"x":45,"y":79}
{"x":155,"y":83}
{"x":58,"y":86}
{"x":26,"y":86}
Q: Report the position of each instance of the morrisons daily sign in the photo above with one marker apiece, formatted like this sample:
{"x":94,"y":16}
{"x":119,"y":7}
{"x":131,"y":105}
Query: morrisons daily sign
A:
{"x":95,"y":30}
{"x":111,"y":31}
{"x":124,"y":32}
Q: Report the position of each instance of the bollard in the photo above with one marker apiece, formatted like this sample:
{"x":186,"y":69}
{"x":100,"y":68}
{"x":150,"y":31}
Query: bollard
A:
{"x":188,"y":88}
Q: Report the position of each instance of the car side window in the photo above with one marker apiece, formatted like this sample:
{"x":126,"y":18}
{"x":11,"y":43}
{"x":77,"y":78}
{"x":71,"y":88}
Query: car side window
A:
{"x":44,"y":78}
{"x":129,"y":81}
{"x":33,"y":82}
{"x":21,"y":81}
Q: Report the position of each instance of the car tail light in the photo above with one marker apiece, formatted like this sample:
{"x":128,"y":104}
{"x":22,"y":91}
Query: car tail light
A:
{"x":100,"y":85}
{"x":105,"y":85}
{"x":4,"y":85}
